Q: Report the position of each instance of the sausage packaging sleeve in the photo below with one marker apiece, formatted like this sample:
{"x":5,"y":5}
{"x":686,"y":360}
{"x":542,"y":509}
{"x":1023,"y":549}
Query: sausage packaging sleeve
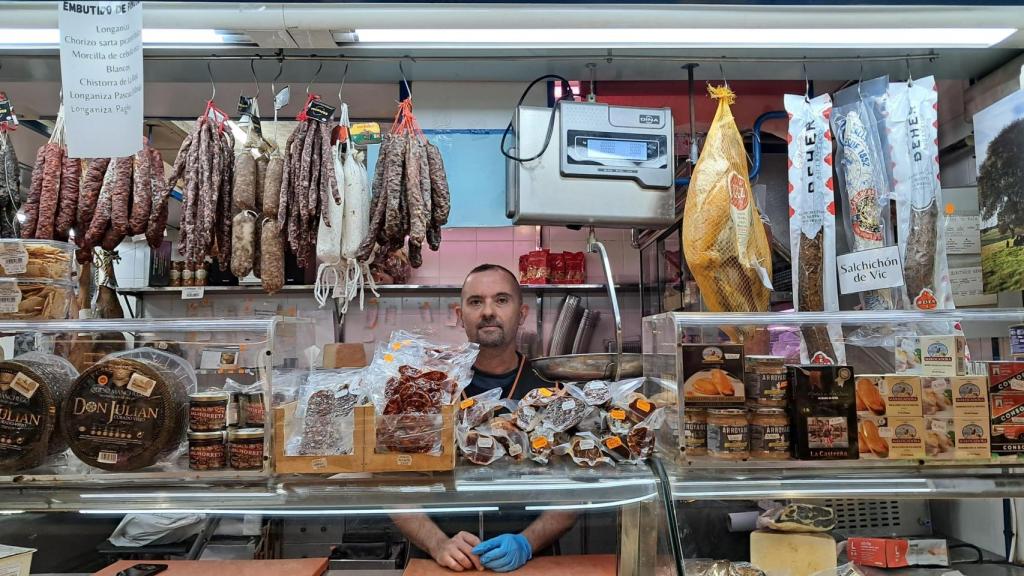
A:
{"x":812,"y":224}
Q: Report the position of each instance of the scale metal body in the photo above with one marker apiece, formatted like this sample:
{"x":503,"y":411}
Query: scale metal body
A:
{"x":611,"y":166}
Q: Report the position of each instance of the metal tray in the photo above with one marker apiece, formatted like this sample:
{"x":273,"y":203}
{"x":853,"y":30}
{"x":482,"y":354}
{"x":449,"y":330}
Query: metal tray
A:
{"x":584,"y":367}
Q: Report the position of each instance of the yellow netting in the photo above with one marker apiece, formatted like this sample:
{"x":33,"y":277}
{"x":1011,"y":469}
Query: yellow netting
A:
{"x":724,"y":239}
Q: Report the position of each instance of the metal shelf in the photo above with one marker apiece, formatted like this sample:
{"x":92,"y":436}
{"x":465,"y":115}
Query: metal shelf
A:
{"x":467,"y":489}
{"x":845,"y":479}
{"x":301,"y":288}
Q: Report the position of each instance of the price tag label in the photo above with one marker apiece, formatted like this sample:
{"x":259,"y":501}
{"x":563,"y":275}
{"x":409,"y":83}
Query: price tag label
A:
{"x":10,"y":296}
{"x":7,"y":110}
{"x":13,"y":258}
{"x":193,"y":292}
{"x":963,"y":235}
{"x":319,"y":111}
{"x":868,"y":270}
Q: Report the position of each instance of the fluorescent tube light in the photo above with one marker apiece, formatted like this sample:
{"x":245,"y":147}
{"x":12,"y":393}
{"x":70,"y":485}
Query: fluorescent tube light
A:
{"x":296,"y":512}
{"x":51,"y":36}
{"x":697,"y":37}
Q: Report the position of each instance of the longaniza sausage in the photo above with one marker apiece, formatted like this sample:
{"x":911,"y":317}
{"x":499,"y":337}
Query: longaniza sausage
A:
{"x":70,"y":184}
{"x":31,"y":206}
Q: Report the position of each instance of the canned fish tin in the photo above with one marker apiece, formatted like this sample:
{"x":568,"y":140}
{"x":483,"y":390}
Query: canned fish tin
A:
{"x":766,"y":381}
{"x":728,"y":434}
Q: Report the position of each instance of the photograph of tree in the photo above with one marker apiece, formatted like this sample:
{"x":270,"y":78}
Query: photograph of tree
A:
{"x":999,"y":149}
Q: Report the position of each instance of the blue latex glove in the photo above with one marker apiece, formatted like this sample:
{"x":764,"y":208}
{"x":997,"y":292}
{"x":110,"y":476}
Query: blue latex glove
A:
{"x":504,"y":553}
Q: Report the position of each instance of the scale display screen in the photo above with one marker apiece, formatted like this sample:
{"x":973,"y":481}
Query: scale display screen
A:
{"x":607,"y":149}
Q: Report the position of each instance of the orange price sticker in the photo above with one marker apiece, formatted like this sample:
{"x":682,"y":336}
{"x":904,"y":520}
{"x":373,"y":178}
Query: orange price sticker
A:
{"x":546,"y":392}
{"x":613,"y":442}
{"x":467,"y":403}
{"x":618,"y":414}
{"x":539,"y":442}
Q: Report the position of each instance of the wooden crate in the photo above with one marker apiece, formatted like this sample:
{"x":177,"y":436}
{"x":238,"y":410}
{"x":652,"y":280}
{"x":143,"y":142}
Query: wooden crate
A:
{"x":395,"y":462}
{"x":284,"y":420}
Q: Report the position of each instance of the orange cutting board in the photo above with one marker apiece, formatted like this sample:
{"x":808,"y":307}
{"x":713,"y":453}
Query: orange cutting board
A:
{"x":302,"y":567}
{"x":588,"y":565}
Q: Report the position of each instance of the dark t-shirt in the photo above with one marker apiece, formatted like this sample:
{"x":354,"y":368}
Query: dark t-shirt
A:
{"x":484,"y":381}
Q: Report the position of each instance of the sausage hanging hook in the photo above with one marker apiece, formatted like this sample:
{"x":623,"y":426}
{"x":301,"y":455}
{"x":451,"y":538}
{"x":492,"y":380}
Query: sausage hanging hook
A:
{"x":721,"y":68}
{"x":910,"y":75}
{"x":213,"y":85}
{"x":252,"y":66}
{"x":319,"y":68}
{"x":807,"y":84}
{"x":344,"y":75}
{"x":405,"y":82}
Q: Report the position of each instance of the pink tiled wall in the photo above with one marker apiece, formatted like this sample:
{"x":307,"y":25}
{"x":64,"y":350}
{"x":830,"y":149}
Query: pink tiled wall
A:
{"x":465,"y":248}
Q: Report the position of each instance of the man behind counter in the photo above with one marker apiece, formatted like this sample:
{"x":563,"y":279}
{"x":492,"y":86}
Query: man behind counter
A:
{"x":492,"y":311}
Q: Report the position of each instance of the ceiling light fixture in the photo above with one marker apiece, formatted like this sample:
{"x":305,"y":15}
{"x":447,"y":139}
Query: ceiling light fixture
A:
{"x":696,"y":37}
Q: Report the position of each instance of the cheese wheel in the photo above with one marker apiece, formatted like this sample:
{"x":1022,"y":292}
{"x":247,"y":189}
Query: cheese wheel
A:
{"x":792,"y":554}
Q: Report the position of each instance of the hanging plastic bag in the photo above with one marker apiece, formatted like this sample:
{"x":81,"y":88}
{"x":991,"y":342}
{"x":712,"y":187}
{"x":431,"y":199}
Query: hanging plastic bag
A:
{"x":862,"y":175}
{"x":812,"y":224}
{"x":911,"y":125}
{"x":724,"y":240}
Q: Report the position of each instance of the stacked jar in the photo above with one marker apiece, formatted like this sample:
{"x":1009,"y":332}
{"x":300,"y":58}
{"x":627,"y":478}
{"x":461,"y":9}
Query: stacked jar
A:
{"x":207,"y":422}
{"x":767,"y":391}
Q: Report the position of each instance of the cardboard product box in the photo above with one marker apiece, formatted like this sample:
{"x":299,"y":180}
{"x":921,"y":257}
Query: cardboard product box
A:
{"x":712,"y":375}
{"x":892,"y":438}
{"x":973,"y":439}
{"x":15,"y":561}
{"x":870,"y":400}
{"x":897,"y":552}
{"x":1007,"y":439}
{"x":1007,"y":408}
{"x":943,"y":355}
{"x":1005,"y":377}
{"x":939,"y":438}
{"x":937,"y":397}
{"x":955,"y":396}
{"x":889,"y":395}
{"x":823,"y":410}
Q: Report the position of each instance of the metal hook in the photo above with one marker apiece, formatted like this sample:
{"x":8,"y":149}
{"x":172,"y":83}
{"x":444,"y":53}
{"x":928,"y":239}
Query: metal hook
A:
{"x":860,"y":78}
{"x":315,"y":76}
{"x":592,"y":96}
{"x":213,"y":85}
{"x":344,"y":75}
{"x":401,"y":70}
{"x":910,"y":76}
{"x":807,"y":83}
{"x":252,"y":66}
{"x":721,"y":69}
{"x":280,"y":70}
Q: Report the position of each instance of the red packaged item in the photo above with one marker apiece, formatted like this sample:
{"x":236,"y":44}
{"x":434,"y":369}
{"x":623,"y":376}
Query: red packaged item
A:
{"x":575,"y":267}
{"x":1005,"y":377}
{"x":537,"y":268}
{"x":897,"y":552}
{"x":556,"y":265}
{"x":523,"y":259}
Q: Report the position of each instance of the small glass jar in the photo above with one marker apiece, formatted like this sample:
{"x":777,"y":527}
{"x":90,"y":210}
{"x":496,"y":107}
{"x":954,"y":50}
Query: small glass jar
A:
{"x":769,"y":434}
{"x":206,"y":451}
{"x":245,"y":448}
{"x":200,"y":276}
{"x":695,"y":431}
{"x":208,"y":411}
{"x":188,"y":276}
{"x":175,"y":274}
{"x":251,"y":410}
{"x":728,"y":434}
{"x":766,"y":381}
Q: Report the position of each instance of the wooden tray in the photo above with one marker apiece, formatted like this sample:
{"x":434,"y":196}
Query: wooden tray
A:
{"x":396,"y":462}
{"x":284,"y":422}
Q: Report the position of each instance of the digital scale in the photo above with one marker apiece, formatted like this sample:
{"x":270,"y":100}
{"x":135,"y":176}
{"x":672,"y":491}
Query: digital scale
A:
{"x":604,"y":165}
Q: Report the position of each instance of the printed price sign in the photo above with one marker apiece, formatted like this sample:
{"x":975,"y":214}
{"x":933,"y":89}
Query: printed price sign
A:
{"x":868,"y":270}
{"x":193,"y":292}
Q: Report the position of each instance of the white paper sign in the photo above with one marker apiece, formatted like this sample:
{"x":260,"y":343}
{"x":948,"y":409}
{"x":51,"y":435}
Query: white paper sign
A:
{"x":868,"y":270}
{"x":192,"y":292}
{"x":963,"y":235}
{"x":101,"y":72}
{"x":968,"y":287}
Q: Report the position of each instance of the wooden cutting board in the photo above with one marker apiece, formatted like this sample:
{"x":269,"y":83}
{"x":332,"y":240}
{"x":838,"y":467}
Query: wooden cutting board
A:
{"x":589,"y":565}
{"x":303,"y":567}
